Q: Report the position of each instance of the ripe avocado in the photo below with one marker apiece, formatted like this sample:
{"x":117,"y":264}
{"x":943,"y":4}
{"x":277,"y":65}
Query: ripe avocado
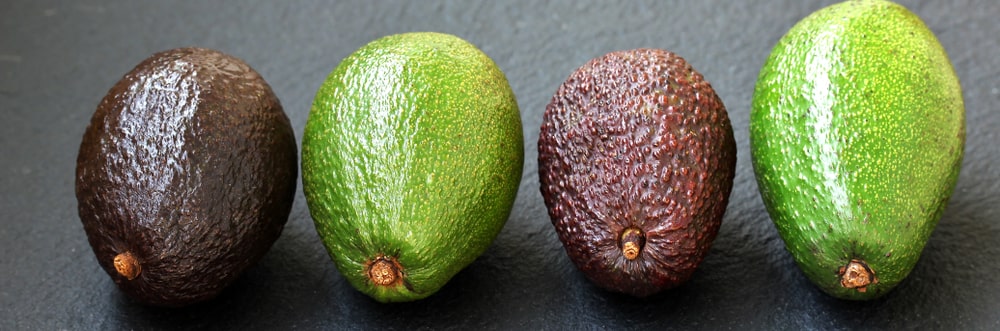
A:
{"x":185,"y":176}
{"x":857,"y":132}
{"x":411,"y":161}
{"x":636,"y":158}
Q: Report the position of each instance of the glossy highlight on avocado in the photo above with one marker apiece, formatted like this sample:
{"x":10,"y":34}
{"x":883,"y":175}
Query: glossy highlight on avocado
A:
{"x":857,"y":132}
{"x":411,"y":161}
{"x":185,"y":175}
{"x":636,"y":159}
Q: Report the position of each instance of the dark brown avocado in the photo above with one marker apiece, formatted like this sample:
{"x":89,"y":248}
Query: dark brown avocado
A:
{"x":636,"y":159}
{"x":186,"y":175}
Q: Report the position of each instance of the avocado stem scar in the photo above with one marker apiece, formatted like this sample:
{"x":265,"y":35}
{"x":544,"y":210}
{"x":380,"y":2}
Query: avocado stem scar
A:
{"x":384,"y":271}
{"x":857,"y":275}
{"x":127,"y":265}
{"x":632,"y":241}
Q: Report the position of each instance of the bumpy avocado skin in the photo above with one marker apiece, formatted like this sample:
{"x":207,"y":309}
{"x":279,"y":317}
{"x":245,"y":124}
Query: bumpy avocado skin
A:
{"x":857,"y":132}
{"x":412,"y":153}
{"x":188,"y":165}
{"x":635,"y":146}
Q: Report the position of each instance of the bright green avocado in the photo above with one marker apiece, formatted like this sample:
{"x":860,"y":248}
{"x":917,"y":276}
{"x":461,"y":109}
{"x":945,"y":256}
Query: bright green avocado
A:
{"x":411,"y":161}
{"x":857,"y":132}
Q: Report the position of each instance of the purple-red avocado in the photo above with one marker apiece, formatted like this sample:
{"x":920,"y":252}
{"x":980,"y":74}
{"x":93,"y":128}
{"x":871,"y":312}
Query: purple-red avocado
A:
{"x":186,"y":175}
{"x":636,"y":159}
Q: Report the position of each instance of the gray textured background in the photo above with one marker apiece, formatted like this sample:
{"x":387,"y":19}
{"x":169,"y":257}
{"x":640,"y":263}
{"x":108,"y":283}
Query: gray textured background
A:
{"x":58,"y":59}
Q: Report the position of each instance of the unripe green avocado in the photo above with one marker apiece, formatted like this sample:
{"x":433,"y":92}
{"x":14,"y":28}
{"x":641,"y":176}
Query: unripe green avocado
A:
{"x":857,"y":132}
{"x":411,"y":161}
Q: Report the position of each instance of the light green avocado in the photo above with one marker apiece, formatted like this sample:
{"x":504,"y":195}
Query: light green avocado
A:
{"x":857,"y":132}
{"x":411,"y":161}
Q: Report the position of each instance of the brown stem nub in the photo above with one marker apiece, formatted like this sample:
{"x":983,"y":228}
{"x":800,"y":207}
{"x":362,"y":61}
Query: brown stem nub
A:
{"x":857,"y":275}
{"x":632,"y":240}
{"x":384,"y":271}
{"x":127,"y":265}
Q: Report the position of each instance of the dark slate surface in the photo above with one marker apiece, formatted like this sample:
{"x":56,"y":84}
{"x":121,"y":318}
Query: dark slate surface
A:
{"x":57,"y":59}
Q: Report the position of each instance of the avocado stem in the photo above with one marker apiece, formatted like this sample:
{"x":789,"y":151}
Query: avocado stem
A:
{"x":632,"y":241}
{"x":857,"y":275}
{"x":384,"y":271}
{"x":127,"y":265}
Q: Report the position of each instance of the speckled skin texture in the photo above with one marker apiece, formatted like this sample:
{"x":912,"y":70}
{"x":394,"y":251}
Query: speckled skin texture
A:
{"x":857,"y":135}
{"x":525,"y":280}
{"x":636,"y":140}
{"x":412,"y":153}
{"x":189,"y":164}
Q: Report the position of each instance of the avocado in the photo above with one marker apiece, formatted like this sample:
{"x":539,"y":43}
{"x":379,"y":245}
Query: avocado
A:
{"x":857,"y":132}
{"x":636,"y":159}
{"x":185,"y":176}
{"x":411,"y":160}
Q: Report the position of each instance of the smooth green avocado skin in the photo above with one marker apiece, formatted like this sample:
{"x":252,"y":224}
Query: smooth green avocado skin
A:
{"x":857,"y":133}
{"x":413,"y":149}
